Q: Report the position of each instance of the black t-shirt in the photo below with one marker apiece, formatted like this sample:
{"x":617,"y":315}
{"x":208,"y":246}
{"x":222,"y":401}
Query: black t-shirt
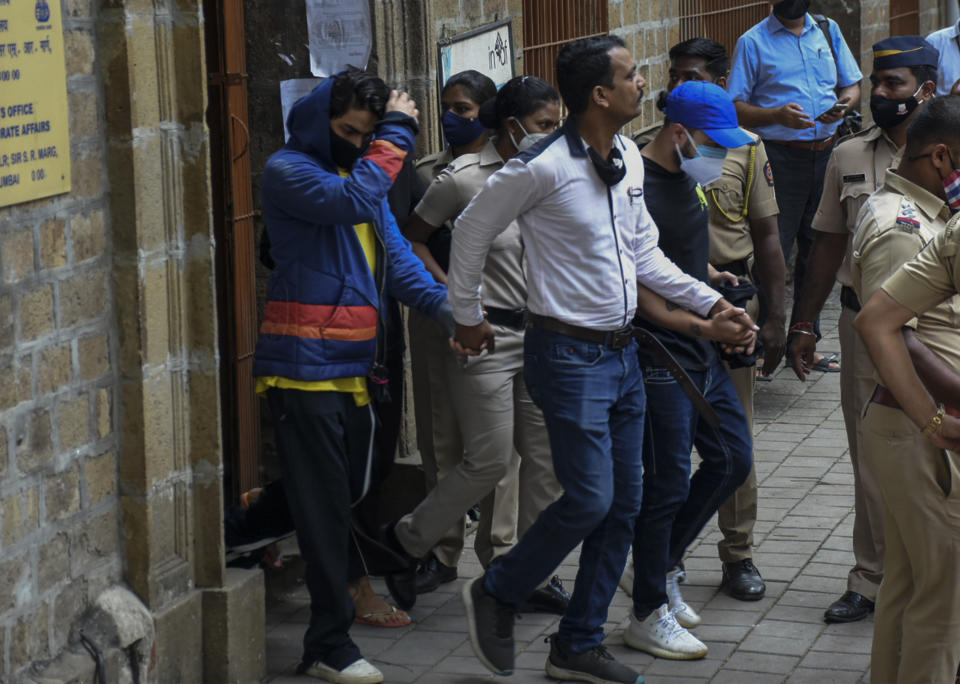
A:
{"x":679,"y":208}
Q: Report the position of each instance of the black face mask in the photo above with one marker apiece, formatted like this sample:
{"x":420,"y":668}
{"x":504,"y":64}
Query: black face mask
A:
{"x":791,"y":9}
{"x":610,"y":171}
{"x":889,"y":113}
{"x":345,"y":154}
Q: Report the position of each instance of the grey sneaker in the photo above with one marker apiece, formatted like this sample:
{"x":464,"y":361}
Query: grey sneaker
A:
{"x":491,"y":627}
{"x":596,"y":666}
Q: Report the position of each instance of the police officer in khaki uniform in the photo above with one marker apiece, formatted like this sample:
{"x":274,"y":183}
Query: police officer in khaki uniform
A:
{"x":904,"y":77}
{"x":744,"y":240}
{"x":917,"y":625}
{"x":507,"y":464}
{"x":438,"y":436}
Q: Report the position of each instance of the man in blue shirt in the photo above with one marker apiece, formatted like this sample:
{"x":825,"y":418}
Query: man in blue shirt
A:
{"x":947,"y":42}
{"x":785,"y":83}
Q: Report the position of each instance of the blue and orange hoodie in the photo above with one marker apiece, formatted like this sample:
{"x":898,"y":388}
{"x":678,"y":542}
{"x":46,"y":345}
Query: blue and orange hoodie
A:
{"x":323,"y":303}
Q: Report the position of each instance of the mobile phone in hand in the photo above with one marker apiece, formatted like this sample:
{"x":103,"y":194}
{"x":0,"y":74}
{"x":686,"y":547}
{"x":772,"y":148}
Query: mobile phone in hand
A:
{"x":837,"y":108}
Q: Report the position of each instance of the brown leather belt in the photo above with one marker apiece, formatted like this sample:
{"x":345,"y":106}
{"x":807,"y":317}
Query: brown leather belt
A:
{"x":620,"y":338}
{"x":812,"y":145}
{"x":885,"y":397}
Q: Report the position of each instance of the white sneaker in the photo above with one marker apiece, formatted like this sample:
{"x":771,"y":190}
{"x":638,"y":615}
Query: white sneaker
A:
{"x":358,"y":672}
{"x":661,"y":635}
{"x":686,"y":616}
{"x":626,"y":579}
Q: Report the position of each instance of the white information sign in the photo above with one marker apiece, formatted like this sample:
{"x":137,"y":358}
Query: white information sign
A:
{"x":488,"y":49}
{"x":340,"y":35}
{"x":290,"y":92}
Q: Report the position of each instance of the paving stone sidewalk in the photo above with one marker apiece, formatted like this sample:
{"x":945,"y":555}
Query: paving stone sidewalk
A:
{"x":803,"y":549}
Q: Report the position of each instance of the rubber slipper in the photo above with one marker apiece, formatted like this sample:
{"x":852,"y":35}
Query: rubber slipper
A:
{"x":823,"y":365}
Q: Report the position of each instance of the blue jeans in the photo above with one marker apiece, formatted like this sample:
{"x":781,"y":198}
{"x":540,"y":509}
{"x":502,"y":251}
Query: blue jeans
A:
{"x":675,"y":506}
{"x":592,"y":398}
{"x":798,"y":184}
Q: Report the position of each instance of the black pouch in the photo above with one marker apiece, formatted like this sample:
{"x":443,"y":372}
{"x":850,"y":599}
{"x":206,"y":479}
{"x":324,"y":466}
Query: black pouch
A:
{"x":739,"y":295}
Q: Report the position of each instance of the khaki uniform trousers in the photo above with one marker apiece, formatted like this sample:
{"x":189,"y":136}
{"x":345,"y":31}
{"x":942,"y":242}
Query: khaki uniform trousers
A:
{"x":916,"y":633}
{"x":507,"y":464}
{"x":438,"y":435}
{"x":856,"y":387}
{"x":737,"y":516}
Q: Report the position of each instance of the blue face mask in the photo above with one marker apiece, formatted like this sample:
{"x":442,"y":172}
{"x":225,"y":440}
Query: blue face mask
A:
{"x":460,"y":131}
{"x":704,"y":168}
{"x":711,"y":152}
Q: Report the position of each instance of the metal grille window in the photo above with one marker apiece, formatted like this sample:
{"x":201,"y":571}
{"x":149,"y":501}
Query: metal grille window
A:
{"x":904,"y":18}
{"x":548,"y":25}
{"x":722,"y":20}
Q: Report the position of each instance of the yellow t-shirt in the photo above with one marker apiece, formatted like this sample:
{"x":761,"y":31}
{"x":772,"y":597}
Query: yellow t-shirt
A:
{"x":356,"y":386}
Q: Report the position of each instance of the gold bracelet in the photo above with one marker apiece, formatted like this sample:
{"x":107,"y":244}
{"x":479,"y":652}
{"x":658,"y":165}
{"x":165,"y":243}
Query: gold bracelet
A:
{"x":935,"y":422}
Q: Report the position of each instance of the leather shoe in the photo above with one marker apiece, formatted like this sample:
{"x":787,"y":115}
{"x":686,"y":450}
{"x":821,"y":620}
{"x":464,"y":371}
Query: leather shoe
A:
{"x":742,"y":581}
{"x":849,"y":608}
{"x":551,"y":598}
{"x":432,"y":573}
{"x":402,"y":585}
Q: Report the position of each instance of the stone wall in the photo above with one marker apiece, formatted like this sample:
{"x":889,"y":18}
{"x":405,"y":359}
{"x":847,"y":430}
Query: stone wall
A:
{"x":59,"y":385}
{"x":110,"y":456}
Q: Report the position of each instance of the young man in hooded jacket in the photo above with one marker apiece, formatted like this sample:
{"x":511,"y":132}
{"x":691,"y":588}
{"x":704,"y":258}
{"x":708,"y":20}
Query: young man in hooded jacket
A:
{"x":338,"y":255}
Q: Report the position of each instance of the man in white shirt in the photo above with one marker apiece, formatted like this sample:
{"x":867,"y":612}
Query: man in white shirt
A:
{"x":592,"y":259}
{"x":947,"y":41}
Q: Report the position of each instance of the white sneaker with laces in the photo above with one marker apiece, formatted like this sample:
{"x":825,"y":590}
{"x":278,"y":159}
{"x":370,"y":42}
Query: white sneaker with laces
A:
{"x":626,"y":579}
{"x":358,"y":672}
{"x":661,"y":635}
{"x":686,"y":616}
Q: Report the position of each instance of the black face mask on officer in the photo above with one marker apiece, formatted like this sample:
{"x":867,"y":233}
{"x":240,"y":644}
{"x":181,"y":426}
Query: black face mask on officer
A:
{"x":791,"y":9}
{"x":890,"y":113}
{"x":345,"y":154}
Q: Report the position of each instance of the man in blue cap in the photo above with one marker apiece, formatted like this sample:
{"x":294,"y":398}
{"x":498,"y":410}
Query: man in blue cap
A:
{"x":687,"y":154}
{"x":903,"y":79}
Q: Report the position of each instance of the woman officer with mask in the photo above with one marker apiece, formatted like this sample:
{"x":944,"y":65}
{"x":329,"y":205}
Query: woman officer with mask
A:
{"x":506,"y":461}
{"x":438,"y":437}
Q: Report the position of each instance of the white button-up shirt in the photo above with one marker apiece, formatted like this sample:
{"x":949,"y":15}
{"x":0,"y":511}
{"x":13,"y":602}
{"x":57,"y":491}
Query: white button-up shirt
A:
{"x":587,"y":246}
{"x":945,"y":40}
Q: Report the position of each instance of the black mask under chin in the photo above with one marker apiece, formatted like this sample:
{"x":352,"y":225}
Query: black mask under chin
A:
{"x":610,"y":171}
{"x":791,"y":9}
{"x":345,"y":154}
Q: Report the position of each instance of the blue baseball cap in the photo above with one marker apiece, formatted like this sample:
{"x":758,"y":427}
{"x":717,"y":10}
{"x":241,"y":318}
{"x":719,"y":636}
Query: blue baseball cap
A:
{"x":707,"y":106}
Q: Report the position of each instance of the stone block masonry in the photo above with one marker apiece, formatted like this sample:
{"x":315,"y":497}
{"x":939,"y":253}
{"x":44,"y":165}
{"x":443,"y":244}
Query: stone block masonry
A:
{"x":59,"y":536}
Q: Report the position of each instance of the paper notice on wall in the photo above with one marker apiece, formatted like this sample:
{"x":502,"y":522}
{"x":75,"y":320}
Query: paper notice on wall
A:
{"x":340,"y":35}
{"x":290,"y":92}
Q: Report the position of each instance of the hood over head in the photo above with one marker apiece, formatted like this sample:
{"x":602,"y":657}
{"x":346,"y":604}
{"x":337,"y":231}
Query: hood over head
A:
{"x":309,"y":123}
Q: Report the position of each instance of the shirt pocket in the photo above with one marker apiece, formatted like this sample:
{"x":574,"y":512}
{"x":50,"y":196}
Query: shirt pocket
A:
{"x":727,"y":194}
{"x":820,"y":58}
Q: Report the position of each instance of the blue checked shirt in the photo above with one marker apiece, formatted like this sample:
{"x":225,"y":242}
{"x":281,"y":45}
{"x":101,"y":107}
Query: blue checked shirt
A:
{"x":772,"y":66}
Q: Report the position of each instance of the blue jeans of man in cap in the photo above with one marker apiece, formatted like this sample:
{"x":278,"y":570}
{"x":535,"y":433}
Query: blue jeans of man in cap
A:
{"x":592,"y":399}
{"x":675,"y":506}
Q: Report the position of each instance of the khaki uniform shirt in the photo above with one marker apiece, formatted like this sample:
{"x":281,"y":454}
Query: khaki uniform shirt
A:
{"x":730,"y":235}
{"x":429,"y":167}
{"x":855,"y":171}
{"x":928,"y":285}
{"x":449,"y":194}
{"x":894,"y":225}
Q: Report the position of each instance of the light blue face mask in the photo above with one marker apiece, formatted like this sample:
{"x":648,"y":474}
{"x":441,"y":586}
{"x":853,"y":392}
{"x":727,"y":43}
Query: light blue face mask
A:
{"x":706,"y":167}
{"x":712,"y":152}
